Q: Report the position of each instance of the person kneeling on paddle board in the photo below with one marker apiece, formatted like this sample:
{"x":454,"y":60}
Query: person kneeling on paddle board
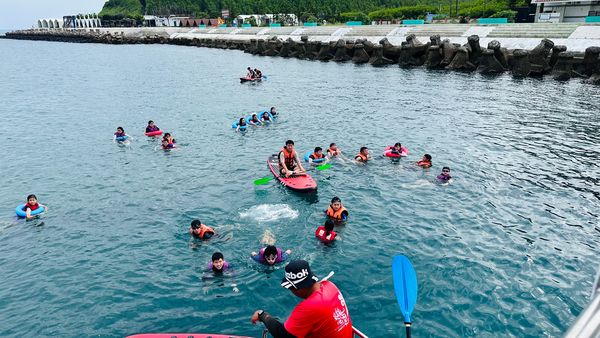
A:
{"x":289,"y":163}
{"x":321,"y":313}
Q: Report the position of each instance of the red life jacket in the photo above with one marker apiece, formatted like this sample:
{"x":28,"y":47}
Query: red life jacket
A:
{"x":337,"y":215}
{"x":32,"y":207}
{"x":321,"y":234}
{"x":290,"y":158}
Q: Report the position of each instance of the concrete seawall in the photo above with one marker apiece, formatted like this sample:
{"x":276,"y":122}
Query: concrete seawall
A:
{"x":560,"y":50}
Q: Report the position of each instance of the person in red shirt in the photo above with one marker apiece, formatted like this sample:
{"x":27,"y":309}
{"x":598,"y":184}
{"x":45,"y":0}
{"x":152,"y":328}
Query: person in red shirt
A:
{"x":321,"y":313}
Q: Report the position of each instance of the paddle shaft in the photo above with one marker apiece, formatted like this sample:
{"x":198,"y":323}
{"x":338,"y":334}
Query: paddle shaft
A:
{"x":407,"y":329}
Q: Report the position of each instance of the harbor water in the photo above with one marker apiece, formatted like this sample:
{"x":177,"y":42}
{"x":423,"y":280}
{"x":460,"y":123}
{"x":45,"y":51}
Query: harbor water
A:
{"x":509,"y":248}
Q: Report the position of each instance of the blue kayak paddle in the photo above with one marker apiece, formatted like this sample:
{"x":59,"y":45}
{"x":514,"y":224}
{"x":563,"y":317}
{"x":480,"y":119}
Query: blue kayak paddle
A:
{"x":405,"y":286}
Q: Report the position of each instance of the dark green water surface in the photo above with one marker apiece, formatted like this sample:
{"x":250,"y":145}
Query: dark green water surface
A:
{"x":509,"y":248}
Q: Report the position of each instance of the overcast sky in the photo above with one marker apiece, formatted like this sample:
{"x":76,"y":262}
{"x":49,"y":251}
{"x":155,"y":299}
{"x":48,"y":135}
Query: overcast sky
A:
{"x":24,"y":13}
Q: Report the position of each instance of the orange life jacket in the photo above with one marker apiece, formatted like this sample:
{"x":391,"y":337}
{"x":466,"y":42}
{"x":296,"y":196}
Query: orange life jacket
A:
{"x":424,"y":164}
{"x":333,"y":152}
{"x":202,"y":230}
{"x":363,"y":158}
{"x":290,"y":158}
{"x":337,"y":215}
{"x":321,"y":234}
{"x":314,"y":156}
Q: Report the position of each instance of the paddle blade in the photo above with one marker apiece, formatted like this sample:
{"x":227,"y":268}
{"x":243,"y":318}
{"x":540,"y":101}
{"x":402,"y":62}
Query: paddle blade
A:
{"x":263,"y":180}
{"x":324,"y":166}
{"x":405,"y":285}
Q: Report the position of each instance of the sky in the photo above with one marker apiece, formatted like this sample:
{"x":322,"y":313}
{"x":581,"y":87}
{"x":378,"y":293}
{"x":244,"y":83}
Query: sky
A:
{"x":16,"y":14}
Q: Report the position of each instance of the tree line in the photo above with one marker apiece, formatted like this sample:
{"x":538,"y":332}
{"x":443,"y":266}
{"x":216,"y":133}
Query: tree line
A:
{"x":312,"y":10}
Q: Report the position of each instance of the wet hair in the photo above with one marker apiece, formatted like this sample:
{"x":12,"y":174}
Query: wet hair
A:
{"x":289,"y":142}
{"x":150,"y":121}
{"x":444,"y":168}
{"x":272,"y":108}
{"x":318,"y":149}
{"x":335,"y":199}
{"x":270,"y":250}
{"x":331,"y":145}
{"x":398,"y":144}
{"x":166,"y":135}
{"x":216,"y":256}
{"x":196,"y":224}
{"x":121,"y":129}
{"x":30,"y":196}
{"x":249,"y":68}
{"x":427,"y":156}
{"x":363,"y":149}
{"x":329,"y":226}
{"x":241,"y":120}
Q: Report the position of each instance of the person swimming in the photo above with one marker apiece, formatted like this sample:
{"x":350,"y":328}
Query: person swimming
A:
{"x":363,"y":155}
{"x":333,"y":150}
{"x":151,"y":127}
{"x":31,"y":205}
{"x":270,"y":255}
{"x":218,"y":264}
{"x":241,"y":125}
{"x":444,"y":177}
{"x":317,"y":156}
{"x":120,"y":135}
{"x":325,"y":232}
{"x":254,"y":121}
{"x":200,"y":230}
{"x":265,"y":118}
{"x":425,"y":162}
{"x":336,"y":210}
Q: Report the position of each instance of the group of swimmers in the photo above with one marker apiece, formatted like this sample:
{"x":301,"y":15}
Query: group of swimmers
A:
{"x":290,"y":164}
{"x":265,"y":118}
{"x":270,"y":254}
{"x":152,"y":130}
{"x":253,"y":73}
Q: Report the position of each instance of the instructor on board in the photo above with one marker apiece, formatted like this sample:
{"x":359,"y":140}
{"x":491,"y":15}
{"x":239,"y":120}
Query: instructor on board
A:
{"x":321,"y":314}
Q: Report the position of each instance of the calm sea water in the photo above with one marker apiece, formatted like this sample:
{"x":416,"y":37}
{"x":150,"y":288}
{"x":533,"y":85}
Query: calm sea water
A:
{"x":508,"y":249}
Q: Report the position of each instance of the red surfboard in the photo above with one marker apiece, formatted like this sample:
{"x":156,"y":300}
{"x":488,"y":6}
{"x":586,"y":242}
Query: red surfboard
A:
{"x":184,"y":335}
{"x":303,"y":183}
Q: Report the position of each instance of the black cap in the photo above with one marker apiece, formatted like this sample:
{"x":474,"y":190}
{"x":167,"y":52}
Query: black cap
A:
{"x":298,"y":275}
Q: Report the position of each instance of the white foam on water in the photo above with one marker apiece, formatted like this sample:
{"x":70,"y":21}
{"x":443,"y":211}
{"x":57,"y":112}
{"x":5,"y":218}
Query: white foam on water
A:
{"x":269,"y":212}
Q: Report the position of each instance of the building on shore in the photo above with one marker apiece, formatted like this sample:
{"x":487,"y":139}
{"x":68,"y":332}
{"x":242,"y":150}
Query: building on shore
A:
{"x":70,"y":21}
{"x":555,"y":11}
{"x":267,"y":19}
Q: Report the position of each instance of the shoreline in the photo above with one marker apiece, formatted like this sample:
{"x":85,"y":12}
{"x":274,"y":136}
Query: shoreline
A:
{"x":401,"y":46}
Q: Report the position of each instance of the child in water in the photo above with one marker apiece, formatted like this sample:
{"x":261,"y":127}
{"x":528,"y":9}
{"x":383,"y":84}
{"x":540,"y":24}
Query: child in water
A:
{"x":166,"y":145}
{"x":325,"y":233}
{"x":363,"y":155}
{"x":273,"y":112}
{"x":270,"y":255}
{"x":197,"y":229}
{"x":336,"y":211}
{"x":425,"y":162}
{"x":444,"y":177}
{"x":254,"y":121}
{"x":120,"y":135}
{"x":265,"y":118}
{"x":317,"y":156}
{"x":151,"y":127}
{"x":397,"y":149}
{"x":333,"y":150}
{"x":31,"y":205}
{"x":218,"y":264}
{"x":241,"y":126}
{"x":168,"y":137}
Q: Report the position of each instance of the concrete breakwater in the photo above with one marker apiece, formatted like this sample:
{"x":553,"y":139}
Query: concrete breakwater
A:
{"x":546,"y":58}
